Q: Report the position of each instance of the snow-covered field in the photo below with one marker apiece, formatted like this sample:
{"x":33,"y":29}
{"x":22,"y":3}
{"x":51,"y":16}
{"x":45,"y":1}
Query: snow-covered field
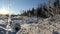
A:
{"x":43,"y":26}
{"x":31,"y":25}
{"x":17,"y":22}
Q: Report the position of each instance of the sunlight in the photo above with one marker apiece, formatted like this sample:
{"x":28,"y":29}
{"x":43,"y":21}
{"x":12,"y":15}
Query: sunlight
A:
{"x":3,"y":11}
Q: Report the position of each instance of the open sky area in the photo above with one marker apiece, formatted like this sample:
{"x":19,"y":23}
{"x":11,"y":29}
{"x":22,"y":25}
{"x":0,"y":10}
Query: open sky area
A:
{"x":17,"y":6}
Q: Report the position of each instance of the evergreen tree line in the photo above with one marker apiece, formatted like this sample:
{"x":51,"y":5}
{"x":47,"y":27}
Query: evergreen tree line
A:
{"x":44,"y":10}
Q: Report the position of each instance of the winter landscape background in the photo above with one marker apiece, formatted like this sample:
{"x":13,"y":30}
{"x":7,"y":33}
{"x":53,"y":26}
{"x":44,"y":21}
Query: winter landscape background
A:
{"x":30,"y":17}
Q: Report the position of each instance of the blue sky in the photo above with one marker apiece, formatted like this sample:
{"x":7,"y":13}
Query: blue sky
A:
{"x":17,"y":6}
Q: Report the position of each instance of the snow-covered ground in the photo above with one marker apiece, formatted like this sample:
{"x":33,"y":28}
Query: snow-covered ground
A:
{"x":31,"y":25}
{"x":17,"y":22}
{"x":46,"y":26}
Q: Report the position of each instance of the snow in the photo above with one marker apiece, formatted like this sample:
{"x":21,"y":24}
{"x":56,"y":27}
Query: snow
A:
{"x":31,"y":25}
{"x":43,"y":26}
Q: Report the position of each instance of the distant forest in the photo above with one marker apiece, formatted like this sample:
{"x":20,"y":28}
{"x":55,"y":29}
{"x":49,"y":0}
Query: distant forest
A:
{"x":44,"y":10}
